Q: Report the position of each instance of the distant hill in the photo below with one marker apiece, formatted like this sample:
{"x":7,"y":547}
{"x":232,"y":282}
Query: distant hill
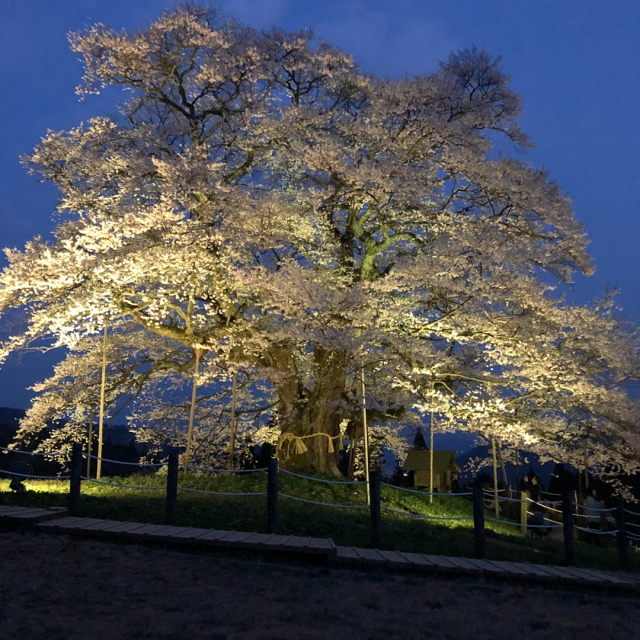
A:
{"x":10,"y":418}
{"x":119,"y":444}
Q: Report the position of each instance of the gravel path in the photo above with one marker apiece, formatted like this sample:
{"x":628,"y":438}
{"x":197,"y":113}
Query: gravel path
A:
{"x":65,"y":588}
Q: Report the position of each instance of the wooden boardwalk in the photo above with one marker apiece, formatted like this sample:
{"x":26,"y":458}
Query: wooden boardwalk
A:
{"x":29,"y":515}
{"x":56,"y":520}
{"x":140,"y":532}
{"x":500,"y":568}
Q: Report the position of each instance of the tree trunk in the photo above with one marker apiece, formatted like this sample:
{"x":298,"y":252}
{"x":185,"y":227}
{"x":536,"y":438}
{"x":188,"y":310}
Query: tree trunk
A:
{"x":304,"y":412}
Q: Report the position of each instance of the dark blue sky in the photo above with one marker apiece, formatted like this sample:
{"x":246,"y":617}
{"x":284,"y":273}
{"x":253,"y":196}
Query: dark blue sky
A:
{"x":576,"y":64}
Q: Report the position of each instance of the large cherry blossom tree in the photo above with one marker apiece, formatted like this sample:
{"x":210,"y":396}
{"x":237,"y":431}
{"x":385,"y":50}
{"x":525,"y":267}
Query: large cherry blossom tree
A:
{"x":262,"y":205}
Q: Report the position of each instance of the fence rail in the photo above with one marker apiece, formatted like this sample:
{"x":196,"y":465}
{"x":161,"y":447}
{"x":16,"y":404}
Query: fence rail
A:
{"x":54,"y":454}
{"x":568,"y":520}
{"x":156,"y":465}
{"x":214,"y":470}
{"x":123,"y":486}
{"x":32,"y":476}
{"x":223,"y":493}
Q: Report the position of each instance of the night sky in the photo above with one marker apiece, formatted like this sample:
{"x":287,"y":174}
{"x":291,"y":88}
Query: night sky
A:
{"x":575,"y":63}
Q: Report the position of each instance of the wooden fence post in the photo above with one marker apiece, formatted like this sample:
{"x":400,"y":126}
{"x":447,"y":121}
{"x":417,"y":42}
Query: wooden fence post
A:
{"x":172,"y":488}
{"x":478,"y":519}
{"x":272,"y":496}
{"x":621,"y":536}
{"x":524,"y":496}
{"x":75,"y":480}
{"x":374,"y":508}
{"x":568,"y":530}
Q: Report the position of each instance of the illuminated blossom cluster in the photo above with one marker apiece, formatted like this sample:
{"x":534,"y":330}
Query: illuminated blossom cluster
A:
{"x":262,"y":199}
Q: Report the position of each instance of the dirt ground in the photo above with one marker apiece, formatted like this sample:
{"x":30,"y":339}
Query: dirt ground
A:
{"x":65,"y":588}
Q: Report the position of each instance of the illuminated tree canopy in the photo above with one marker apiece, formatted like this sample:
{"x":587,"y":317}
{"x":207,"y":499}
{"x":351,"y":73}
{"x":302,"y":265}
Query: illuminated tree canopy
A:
{"x":261,"y":199}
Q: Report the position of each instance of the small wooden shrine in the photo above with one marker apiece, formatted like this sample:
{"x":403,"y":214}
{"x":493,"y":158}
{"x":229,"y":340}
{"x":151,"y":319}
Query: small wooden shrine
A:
{"x":419,"y":462}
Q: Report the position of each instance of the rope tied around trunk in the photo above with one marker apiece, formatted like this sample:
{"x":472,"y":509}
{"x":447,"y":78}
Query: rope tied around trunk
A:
{"x":290,"y":440}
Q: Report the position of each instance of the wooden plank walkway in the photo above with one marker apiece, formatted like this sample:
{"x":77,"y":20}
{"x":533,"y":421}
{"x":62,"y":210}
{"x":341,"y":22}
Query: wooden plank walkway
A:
{"x":56,"y":520}
{"x":26,"y":515}
{"x":471,"y":566}
{"x":140,"y":532}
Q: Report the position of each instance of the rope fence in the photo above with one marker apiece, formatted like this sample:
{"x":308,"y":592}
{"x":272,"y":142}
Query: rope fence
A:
{"x":325,"y":504}
{"x":529,"y":526}
{"x":596,"y":531}
{"x":53,"y":454}
{"x":299,"y":475}
{"x":123,"y":486}
{"x":130,"y":464}
{"x":595,"y":509}
{"x":425,"y":493}
{"x":214,"y":470}
{"x":223,"y":493}
{"x":28,"y":475}
{"x":541,"y":514}
{"x":425,"y":517}
{"x":527,"y":501}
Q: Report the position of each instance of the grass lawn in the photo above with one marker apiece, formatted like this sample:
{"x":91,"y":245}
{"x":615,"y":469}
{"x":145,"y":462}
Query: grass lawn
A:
{"x":349,"y":527}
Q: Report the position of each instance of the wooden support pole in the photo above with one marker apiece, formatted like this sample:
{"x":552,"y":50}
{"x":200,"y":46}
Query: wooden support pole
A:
{"x":234,"y":426}
{"x":75,"y":484}
{"x":89,"y":442}
{"x":431,"y":430}
{"x":496,"y":506}
{"x":102,"y":389}
{"x":524,"y":496}
{"x":194,"y":391}
{"x":478,"y":519}
{"x":272,"y":496}
{"x":580,"y":492}
{"x":586,"y":468}
{"x":172,"y":488}
{"x":374,"y":507}
{"x":366,"y":434}
{"x":502,"y":468}
{"x":568,"y":529}
{"x":621,"y":537}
